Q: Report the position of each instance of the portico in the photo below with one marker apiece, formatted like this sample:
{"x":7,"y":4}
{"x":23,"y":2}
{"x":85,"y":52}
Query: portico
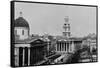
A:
{"x":65,"y":46}
{"x":22,"y":54}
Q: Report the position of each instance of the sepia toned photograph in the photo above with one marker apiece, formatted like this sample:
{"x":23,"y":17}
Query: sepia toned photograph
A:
{"x":53,"y":34}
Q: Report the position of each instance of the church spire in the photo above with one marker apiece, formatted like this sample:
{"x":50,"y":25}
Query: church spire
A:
{"x":66,"y":19}
{"x":66,"y":27}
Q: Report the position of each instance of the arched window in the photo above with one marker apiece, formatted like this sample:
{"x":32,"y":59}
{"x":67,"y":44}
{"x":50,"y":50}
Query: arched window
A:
{"x":22,"y":32}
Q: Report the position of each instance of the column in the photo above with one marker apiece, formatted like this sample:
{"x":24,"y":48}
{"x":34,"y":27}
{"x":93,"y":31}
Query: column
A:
{"x":66,"y":48}
{"x":48,"y":45}
{"x":16,"y":56}
{"x":72,"y":46}
{"x":61,"y":45}
{"x":69,"y":47}
{"x":23,"y":55}
{"x":28,"y":56}
{"x":56,"y":47}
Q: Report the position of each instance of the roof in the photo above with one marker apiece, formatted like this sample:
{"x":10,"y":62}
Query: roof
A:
{"x":29,"y":40}
{"x":61,"y":38}
{"x":33,"y":41}
{"x":25,"y":41}
{"x":90,"y":36}
{"x":21,"y":22}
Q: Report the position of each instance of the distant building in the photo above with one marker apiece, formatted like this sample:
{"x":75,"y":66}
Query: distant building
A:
{"x":69,"y":45}
{"x":66,"y":43}
{"x":90,"y":41}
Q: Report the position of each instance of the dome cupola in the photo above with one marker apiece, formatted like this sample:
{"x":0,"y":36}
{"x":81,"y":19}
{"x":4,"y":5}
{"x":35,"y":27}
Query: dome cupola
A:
{"x":21,"y":22}
{"x":21,"y":28}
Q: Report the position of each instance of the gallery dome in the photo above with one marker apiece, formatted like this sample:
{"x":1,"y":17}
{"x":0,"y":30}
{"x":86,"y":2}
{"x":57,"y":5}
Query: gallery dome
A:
{"x":21,"y":22}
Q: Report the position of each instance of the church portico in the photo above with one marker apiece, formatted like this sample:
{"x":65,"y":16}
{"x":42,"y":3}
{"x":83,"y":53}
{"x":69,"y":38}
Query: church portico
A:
{"x":64,"y":46}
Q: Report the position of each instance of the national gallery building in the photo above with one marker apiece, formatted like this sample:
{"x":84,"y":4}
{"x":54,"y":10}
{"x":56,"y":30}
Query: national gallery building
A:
{"x":27,"y":51}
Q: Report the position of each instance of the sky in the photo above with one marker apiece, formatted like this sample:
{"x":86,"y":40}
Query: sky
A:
{"x":49,"y":18}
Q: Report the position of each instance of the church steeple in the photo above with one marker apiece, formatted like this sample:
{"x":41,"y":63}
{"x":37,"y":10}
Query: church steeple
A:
{"x":66,"y":27}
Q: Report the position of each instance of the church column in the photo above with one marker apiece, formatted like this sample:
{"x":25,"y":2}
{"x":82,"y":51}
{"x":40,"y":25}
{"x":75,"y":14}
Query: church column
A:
{"x":28,"y":56}
{"x":66,"y":47}
{"x":48,"y":45}
{"x":69,"y":47}
{"x":23,"y":56}
{"x":72,"y":46}
{"x":56,"y":47}
{"x":61,"y":46}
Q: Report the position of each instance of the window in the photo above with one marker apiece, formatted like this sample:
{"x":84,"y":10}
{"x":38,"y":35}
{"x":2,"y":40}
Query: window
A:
{"x":22,"y":32}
